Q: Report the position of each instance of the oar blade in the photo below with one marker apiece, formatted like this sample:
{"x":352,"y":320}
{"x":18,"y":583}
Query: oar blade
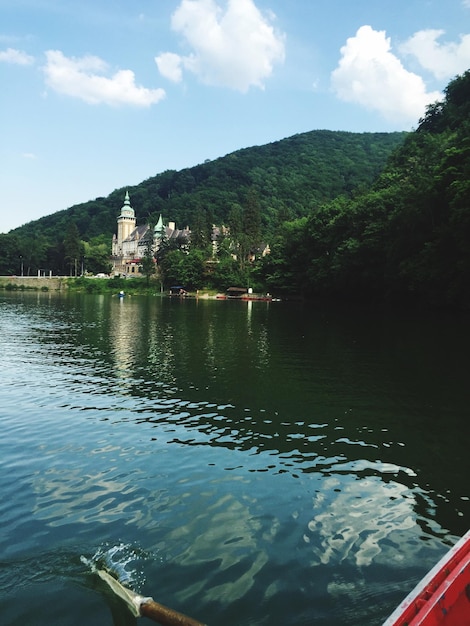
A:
{"x":132,"y":599}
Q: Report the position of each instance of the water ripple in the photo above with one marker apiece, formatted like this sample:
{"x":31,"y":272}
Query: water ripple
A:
{"x":263,"y":464}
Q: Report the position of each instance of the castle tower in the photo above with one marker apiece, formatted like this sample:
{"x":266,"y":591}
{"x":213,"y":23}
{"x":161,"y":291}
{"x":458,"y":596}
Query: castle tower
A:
{"x":125,"y":222}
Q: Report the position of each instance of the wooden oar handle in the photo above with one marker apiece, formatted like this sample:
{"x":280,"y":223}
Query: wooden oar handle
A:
{"x":166,"y":616}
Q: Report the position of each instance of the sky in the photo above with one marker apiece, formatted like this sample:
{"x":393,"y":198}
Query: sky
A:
{"x":102,"y":94}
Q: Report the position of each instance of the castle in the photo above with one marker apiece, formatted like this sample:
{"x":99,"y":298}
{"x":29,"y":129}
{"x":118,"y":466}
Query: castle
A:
{"x":132,"y":242}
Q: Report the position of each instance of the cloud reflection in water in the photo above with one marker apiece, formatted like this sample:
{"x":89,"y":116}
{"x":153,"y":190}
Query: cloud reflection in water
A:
{"x":353,"y":520}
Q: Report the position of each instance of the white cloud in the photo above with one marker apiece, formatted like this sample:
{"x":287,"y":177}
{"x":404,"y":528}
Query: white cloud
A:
{"x":372,"y":76}
{"x":16,"y":57}
{"x":443,"y":60}
{"x":83,"y":78}
{"x":235,"y":46}
{"x":169,"y":66}
{"x":466,"y":3}
{"x":28,"y":155}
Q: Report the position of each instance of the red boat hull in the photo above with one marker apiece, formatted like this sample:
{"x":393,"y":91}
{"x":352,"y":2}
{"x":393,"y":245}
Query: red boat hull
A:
{"x":442,"y":598}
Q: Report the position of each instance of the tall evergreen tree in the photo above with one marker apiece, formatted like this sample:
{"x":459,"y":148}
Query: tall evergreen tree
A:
{"x":72,"y":249}
{"x":148,"y":261}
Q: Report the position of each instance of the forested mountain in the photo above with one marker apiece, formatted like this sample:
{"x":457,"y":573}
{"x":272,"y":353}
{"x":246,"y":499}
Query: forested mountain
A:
{"x":407,"y":238}
{"x":289,"y":176}
{"x":370,"y":217}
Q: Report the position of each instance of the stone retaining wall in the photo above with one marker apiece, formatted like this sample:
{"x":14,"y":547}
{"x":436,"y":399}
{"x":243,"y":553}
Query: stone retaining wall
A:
{"x":52,"y":283}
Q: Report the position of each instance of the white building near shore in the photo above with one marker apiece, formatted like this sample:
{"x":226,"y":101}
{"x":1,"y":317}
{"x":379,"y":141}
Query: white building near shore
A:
{"x":131,"y":242}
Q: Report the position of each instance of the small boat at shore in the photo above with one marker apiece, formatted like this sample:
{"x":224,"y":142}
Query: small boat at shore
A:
{"x":241,"y":293}
{"x":255,"y":296}
{"x":442,"y":598}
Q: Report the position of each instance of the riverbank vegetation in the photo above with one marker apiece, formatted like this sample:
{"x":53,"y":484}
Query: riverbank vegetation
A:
{"x":369,"y":217}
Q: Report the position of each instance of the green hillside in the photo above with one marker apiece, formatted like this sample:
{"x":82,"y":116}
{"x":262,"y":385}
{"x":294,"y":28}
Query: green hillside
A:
{"x":290,"y":177}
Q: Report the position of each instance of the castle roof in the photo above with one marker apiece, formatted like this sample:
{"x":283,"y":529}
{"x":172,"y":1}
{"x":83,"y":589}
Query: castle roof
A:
{"x":126,"y":209}
{"x":137,"y":233}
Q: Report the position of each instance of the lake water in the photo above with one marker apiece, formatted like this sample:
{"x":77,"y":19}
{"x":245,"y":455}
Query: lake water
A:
{"x":245,"y":463}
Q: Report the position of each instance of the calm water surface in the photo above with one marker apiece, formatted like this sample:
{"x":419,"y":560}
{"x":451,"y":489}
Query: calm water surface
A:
{"x":245,"y":463}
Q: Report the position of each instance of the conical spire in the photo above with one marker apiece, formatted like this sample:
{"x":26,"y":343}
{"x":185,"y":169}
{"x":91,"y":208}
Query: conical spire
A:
{"x":159,"y":227}
{"x":127,"y":210}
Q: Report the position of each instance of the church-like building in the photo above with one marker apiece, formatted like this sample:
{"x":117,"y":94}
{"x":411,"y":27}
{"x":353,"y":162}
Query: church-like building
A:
{"x":132,"y":242}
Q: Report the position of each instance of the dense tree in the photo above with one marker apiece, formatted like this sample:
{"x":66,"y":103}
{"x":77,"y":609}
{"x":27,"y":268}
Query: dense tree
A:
{"x":284,"y":269}
{"x":288,"y":176}
{"x":185,"y":269}
{"x":72,"y":249}
{"x":96,"y":255}
{"x":201,"y":228}
{"x":148,"y":261}
{"x":252,"y":221}
{"x":34,"y":253}
{"x":406,"y":237}
{"x":11,"y":257}
{"x":227,"y":273}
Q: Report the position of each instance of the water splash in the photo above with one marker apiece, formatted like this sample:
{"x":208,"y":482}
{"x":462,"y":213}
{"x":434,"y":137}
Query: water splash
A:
{"x":123,"y":561}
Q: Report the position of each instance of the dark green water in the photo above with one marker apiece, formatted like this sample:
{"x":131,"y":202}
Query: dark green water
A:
{"x":245,"y":463}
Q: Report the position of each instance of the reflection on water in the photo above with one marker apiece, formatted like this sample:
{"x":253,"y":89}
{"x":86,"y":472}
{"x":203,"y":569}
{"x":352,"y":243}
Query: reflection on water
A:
{"x":353,"y":520}
{"x":265,"y":455}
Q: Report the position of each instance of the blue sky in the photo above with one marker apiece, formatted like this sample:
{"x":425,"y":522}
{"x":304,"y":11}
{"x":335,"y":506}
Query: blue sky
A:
{"x":101,"y":94}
